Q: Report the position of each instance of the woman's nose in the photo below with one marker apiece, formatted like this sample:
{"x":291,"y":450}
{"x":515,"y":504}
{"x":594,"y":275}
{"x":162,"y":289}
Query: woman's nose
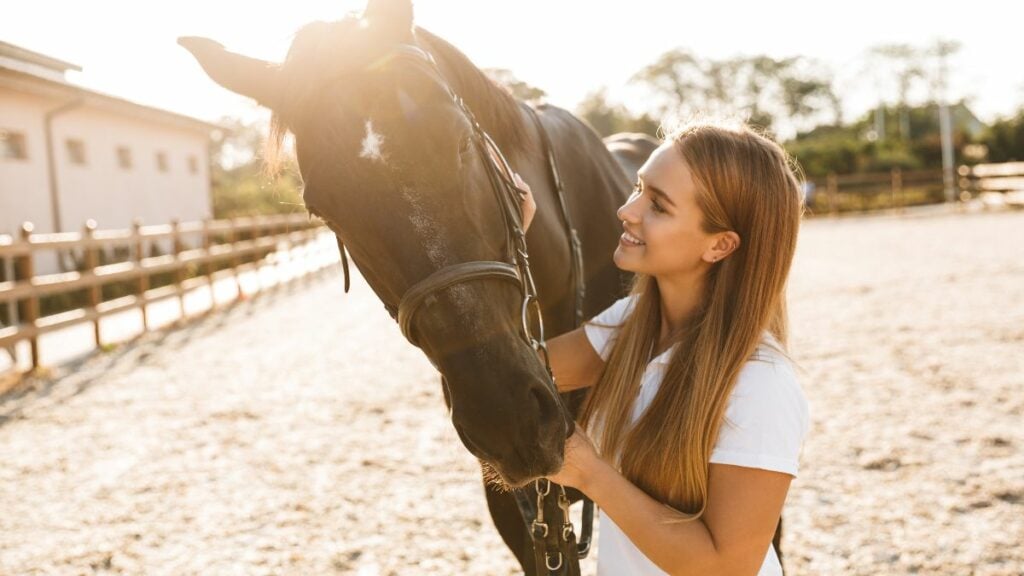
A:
{"x":626,"y":212}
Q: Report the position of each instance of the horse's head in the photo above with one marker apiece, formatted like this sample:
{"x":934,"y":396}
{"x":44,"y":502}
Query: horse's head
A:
{"x":390,"y":161}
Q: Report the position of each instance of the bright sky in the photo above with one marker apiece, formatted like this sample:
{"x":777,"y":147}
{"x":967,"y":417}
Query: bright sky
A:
{"x":566,"y":47}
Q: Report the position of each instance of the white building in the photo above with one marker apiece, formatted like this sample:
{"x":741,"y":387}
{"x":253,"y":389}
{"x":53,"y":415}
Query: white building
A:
{"x":68,"y":154}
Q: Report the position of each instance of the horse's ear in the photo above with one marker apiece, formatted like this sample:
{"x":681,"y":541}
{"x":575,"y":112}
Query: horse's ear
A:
{"x":393,"y":16}
{"x":243,"y":75}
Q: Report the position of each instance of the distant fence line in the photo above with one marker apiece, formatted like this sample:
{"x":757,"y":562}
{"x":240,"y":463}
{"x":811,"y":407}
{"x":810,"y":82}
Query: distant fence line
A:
{"x":997,"y":183}
{"x":98,"y":289}
{"x":898,"y":188}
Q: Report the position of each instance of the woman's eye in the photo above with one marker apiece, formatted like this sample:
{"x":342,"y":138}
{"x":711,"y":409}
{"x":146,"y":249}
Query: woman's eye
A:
{"x":637,"y":189}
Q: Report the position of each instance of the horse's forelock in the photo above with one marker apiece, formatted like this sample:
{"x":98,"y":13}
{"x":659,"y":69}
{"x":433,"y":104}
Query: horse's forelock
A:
{"x":321,"y":51}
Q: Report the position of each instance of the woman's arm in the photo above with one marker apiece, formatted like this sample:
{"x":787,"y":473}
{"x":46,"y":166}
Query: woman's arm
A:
{"x":732,"y":537}
{"x":574,"y":362}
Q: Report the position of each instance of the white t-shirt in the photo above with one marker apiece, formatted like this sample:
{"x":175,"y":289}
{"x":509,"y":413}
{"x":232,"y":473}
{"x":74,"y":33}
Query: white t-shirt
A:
{"x":766,"y":421}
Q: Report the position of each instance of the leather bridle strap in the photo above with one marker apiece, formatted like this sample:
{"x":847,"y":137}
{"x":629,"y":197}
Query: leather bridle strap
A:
{"x":445,"y":278}
{"x":553,"y":540}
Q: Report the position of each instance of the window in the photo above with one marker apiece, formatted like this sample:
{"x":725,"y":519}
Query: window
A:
{"x":161,"y":161}
{"x":124,"y":157}
{"x":76,"y":151}
{"x":193,"y":165}
{"x":12,"y":145}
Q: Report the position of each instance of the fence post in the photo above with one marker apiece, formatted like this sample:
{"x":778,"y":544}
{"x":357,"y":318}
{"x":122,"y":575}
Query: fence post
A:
{"x":832,"y":185}
{"x":143,"y":281}
{"x":233,"y":260}
{"x":28,"y":309}
{"x":286,"y":252}
{"x":208,"y":263}
{"x":897,"y":188}
{"x":12,"y":306}
{"x":179,"y":270}
{"x":90,"y":259}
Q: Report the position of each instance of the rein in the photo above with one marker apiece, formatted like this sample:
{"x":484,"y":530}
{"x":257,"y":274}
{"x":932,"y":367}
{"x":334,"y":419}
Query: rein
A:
{"x":556,"y":552}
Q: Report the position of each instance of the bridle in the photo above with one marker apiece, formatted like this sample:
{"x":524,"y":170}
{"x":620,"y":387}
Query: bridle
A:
{"x":516,"y":268}
{"x":554,"y":551}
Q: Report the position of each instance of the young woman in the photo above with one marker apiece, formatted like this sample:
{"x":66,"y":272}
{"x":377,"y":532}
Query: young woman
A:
{"x":694,"y":408}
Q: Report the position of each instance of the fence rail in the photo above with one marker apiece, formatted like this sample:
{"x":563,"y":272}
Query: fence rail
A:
{"x":995,"y":183}
{"x":896,"y":188}
{"x":218,"y":248}
{"x":1001,"y":183}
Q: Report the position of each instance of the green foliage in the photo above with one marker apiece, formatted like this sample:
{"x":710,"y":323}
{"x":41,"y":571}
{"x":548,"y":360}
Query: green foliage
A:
{"x":607,"y":118}
{"x":911,"y":144}
{"x":759,"y":88}
{"x":828,"y":149}
{"x":240,"y":185}
{"x":247,"y":191}
{"x":518,"y":88}
{"x":1004,"y":139}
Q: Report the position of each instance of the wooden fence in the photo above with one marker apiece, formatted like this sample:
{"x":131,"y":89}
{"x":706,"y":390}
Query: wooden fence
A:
{"x":994,"y":184}
{"x":894,"y":189}
{"x":198,"y":253}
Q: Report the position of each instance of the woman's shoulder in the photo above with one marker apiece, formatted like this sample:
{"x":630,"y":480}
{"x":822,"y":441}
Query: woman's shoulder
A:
{"x":602,"y":329}
{"x":615,"y":313}
{"x":769,"y":373}
{"x":767,"y":417}
{"x":768,"y":386}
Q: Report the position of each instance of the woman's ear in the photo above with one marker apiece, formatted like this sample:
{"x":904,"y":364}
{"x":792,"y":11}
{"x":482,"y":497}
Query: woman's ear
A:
{"x":725,"y":244}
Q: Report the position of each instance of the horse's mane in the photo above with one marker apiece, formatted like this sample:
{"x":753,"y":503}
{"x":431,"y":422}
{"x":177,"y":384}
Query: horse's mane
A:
{"x":495,"y":107}
{"x":313,"y":57}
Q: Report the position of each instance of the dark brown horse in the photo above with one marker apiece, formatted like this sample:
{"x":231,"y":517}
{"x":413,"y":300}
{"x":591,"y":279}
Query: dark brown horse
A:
{"x":387,"y":160}
{"x":631,"y":149}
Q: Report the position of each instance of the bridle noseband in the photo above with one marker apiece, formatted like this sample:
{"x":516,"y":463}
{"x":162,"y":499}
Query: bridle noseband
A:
{"x":555,"y":551}
{"x":517,"y":269}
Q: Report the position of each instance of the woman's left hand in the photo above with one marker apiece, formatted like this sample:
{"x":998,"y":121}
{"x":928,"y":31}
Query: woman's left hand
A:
{"x":526,"y":197}
{"x":581,"y":459}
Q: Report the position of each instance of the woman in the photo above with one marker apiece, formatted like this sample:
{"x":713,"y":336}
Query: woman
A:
{"x":693,"y":405}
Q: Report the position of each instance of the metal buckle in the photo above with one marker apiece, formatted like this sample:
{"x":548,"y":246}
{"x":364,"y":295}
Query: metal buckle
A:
{"x":543,"y":482}
{"x":547,"y":562}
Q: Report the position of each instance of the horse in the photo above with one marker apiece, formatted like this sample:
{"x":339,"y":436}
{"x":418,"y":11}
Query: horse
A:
{"x":631,"y":149}
{"x":387,"y":120}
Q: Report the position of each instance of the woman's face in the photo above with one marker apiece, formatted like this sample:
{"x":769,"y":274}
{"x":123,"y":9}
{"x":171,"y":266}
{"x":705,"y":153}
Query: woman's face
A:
{"x":663,"y":237}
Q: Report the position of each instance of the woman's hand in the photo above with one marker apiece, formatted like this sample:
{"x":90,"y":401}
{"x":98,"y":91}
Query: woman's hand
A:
{"x":581,"y":460}
{"x":529,"y":206}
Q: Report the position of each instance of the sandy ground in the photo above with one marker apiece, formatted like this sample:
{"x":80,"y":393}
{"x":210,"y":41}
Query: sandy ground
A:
{"x":297,"y":433}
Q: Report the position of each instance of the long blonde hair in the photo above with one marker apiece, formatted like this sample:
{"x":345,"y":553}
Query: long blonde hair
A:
{"x":745,"y":183}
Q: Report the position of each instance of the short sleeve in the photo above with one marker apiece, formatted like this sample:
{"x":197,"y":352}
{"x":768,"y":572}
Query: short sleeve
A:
{"x":601,"y":329}
{"x":766,"y":420}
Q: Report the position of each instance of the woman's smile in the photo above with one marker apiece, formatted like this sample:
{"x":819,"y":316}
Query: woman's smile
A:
{"x":628,"y":240}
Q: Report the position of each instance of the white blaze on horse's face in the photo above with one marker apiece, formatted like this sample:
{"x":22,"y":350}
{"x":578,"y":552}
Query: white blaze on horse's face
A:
{"x":372,"y":143}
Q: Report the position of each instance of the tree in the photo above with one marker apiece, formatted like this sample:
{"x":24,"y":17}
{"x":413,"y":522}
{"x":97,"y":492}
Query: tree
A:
{"x":517,"y":87}
{"x":903,"y":65}
{"x":607,"y":118}
{"x":790,"y":93}
{"x":240,"y":185}
{"x":1004,"y":139}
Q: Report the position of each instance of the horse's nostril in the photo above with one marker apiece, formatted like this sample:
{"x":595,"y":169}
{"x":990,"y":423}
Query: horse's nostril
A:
{"x":548,"y":405}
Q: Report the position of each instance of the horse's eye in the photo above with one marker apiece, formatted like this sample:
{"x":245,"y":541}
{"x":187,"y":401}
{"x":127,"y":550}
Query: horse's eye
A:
{"x":465,"y":145}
